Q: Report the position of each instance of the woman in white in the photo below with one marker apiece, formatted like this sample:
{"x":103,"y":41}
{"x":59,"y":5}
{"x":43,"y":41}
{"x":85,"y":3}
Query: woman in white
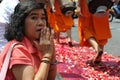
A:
{"x":6,"y":10}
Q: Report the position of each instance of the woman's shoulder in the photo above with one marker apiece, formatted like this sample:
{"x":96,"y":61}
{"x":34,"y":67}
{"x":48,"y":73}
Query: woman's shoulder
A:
{"x":13,"y":43}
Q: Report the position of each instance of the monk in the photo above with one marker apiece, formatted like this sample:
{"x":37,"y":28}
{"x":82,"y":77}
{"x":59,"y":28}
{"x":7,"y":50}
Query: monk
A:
{"x":94,"y":29}
{"x":63,"y":23}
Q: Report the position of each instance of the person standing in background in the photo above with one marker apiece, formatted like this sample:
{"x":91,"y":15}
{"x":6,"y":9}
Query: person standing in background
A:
{"x":63,"y":23}
{"x":94,"y":29}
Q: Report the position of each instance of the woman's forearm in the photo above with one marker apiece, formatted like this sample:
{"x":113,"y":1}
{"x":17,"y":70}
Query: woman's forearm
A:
{"x":52,"y":73}
{"x":53,"y":70}
{"x":43,"y":71}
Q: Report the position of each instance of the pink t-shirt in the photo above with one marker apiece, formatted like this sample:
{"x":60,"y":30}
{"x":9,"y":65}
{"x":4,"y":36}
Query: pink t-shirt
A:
{"x":23,"y":53}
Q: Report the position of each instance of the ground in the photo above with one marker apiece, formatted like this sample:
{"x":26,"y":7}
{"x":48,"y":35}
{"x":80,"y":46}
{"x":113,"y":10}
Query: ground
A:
{"x":74,"y":63}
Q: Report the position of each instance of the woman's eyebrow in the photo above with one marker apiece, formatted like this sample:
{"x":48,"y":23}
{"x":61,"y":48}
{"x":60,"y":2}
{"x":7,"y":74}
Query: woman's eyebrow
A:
{"x":34,"y":13}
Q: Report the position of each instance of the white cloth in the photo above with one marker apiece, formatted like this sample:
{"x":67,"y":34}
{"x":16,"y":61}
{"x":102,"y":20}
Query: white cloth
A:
{"x":6,"y":10}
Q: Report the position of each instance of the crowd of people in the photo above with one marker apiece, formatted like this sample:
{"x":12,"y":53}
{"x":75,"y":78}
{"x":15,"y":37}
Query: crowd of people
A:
{"x":35,"y":23}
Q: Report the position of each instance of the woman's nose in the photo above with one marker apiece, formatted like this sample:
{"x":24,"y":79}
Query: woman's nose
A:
{"x":40,"y":22}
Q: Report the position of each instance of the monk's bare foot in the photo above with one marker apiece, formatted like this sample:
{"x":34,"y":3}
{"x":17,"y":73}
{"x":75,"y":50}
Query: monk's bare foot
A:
{"x":97,"y":59}
{"x":70,"y":44}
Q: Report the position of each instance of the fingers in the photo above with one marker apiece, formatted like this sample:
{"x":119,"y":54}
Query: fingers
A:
{"x":42,"y":36}
{"x":35,"y":43}
{"x":46,"y":42}
{"x":45,"y":37}
{"x":102,"y":14}
{"x":48,"y":35}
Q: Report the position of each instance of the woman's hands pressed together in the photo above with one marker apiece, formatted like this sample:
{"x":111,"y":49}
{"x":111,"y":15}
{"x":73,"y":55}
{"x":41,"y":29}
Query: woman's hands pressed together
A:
{"x":46,"y":46}
{"x":45,"y":43}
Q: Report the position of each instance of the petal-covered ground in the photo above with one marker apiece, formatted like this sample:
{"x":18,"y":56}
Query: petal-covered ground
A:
{"x":73,"y":63}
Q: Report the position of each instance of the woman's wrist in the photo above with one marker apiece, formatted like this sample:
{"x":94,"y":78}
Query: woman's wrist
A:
{"x":48,"y":61}
{"x":47,"y":56}
{"x":53,"y":66}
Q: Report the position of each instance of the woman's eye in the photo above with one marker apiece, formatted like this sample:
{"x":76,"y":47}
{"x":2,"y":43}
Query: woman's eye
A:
{"x":34,"y":17}
{"x":43,"y":18}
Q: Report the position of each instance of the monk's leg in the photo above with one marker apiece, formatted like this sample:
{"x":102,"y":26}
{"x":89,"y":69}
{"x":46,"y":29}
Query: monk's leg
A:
{"x":98,"y":49}
{"x":69,"y":37}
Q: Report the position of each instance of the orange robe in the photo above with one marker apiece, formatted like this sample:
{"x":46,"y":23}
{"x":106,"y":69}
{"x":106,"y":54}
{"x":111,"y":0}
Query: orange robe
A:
{"x":92,"y":26}
{"x":63,"y":22}
{"x":51,"y":17}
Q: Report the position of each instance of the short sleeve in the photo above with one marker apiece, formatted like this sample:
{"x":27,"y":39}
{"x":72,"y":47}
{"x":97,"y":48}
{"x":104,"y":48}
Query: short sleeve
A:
{"x":20,"y":55}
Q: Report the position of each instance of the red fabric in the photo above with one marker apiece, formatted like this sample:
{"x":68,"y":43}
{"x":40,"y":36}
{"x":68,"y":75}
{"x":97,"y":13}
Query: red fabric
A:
{"x":22,"y":54}
{"x":73,"y":63}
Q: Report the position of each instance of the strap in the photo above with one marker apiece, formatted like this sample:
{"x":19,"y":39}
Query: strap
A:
{"x":6,"y":63}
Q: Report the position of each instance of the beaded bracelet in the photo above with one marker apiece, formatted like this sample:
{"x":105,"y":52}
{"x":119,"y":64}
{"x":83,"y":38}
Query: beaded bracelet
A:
{"x":48,"y":62}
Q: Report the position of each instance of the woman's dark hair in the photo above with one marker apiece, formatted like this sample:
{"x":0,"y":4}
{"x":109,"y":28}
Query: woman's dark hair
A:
{"x":16,"y":28}
{"x":0,"y":1}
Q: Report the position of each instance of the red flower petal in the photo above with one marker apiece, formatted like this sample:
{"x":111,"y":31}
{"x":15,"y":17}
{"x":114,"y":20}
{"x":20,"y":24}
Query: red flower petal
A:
{"x":72,"y":63}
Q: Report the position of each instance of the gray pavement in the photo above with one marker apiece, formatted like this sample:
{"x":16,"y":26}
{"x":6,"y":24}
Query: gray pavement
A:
{"x":113,"y":46}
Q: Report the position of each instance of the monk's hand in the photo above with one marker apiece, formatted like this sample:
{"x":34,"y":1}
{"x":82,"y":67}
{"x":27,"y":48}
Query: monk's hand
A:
{"x":100,"y":14}
{"x":78,"y":11}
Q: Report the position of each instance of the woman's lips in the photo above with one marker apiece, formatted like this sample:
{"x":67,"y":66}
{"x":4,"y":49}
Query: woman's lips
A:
{"x":38,"y":29}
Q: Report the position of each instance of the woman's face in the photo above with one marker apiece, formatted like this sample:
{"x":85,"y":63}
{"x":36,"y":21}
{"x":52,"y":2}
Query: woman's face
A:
{"x":34,"y":22}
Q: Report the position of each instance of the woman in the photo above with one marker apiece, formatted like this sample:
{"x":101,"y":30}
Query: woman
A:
{"x":93,"y":28}
{"x":34,"y":57}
